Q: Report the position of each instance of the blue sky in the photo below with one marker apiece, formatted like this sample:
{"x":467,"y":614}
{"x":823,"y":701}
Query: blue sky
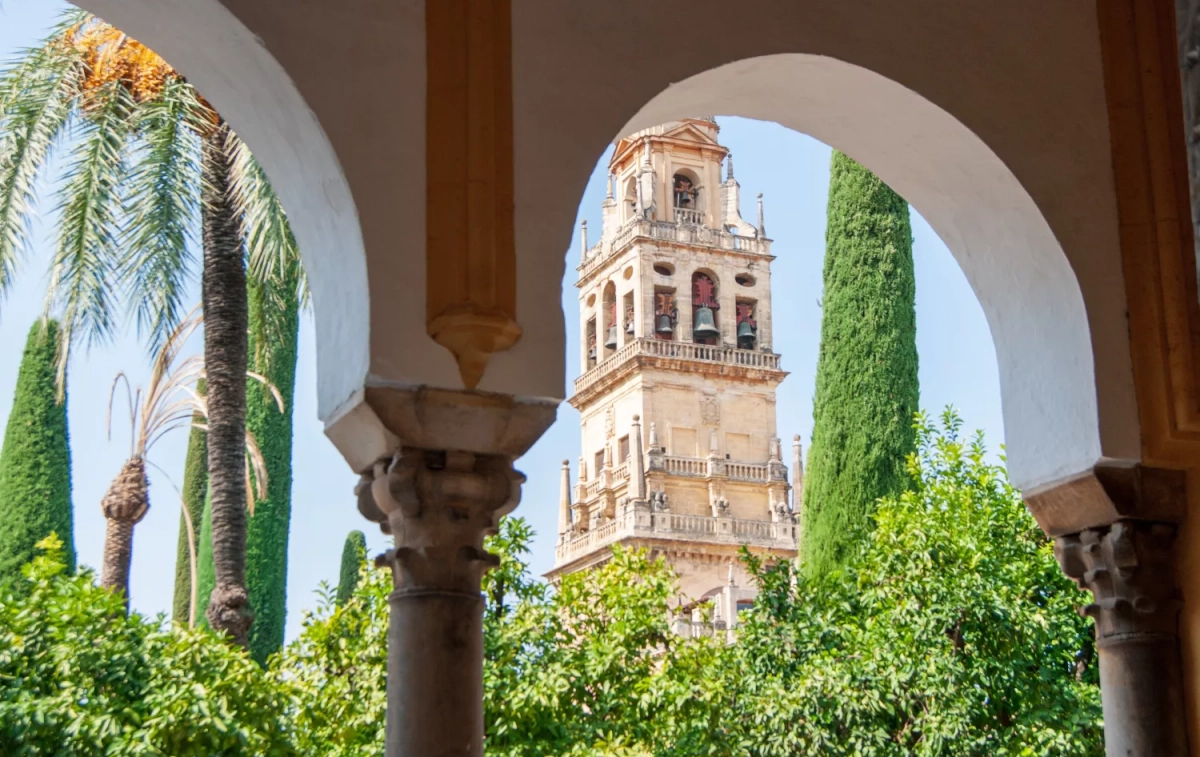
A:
{"x":957,"y":365}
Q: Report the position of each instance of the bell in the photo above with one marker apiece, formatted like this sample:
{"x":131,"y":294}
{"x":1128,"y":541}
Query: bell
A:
{"x":705,"y":327}
{"x":664,"y":325}
{"x":745,"y":335}
{"x":611,"y":342}
{"x":629,"y":328}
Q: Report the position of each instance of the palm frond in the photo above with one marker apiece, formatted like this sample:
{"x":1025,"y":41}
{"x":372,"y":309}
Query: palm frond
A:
{"x":273,"y":257}
{"x":37,"y":96}
{"x":163,"y":210}
{"x":87,"y":252}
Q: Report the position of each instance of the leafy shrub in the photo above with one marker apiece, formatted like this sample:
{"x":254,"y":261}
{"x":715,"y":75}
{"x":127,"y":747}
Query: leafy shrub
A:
{"x":79,"y":677}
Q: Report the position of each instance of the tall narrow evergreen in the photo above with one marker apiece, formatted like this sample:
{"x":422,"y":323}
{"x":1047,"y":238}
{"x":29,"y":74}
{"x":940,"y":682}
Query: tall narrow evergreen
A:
{"x":274,"y":323}
{"x":195,"y":486}
{"x":35,"y":461}
{"x":354,"y":554}
{"x":867,"y":389}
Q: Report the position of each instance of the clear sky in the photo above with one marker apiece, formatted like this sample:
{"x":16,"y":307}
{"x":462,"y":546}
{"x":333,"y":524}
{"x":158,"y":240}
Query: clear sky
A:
{"x":957,"y":365}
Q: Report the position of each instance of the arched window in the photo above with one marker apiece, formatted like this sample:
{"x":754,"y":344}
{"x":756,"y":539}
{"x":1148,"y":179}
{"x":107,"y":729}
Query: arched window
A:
{"x":685,"y":193}
{"x":705,"y":307}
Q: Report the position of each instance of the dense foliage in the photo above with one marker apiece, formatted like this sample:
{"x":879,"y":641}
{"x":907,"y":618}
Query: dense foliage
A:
{"x":78,"y":677}
{"x":950,"y":632}
{"x":267,"y":528}
{"x":35,"y":461}
{"x":195,"y":487}
{"x":354,"y":554}
{"x":866,"y":390}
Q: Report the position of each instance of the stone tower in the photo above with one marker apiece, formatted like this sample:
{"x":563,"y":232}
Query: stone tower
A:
{"x":677,"y":392}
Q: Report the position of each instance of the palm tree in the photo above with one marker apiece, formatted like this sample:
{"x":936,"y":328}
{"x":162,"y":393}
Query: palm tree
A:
{"x":148,"y":155}
{"x":170,"y":402}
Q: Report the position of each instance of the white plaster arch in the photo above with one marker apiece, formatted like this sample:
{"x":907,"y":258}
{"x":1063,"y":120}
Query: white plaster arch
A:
{"x":996,"y":232}
{"x":236,"y":73}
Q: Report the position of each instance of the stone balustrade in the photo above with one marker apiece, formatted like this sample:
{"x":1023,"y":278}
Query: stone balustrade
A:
{"x":701,"y":353}
{"x":635,"y":523}
{"x":689,"y":230}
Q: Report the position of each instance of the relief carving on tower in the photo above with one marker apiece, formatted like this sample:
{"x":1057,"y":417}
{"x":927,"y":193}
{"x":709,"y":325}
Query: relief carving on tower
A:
{"x":610,"y":422}
{"x":710,"y":410}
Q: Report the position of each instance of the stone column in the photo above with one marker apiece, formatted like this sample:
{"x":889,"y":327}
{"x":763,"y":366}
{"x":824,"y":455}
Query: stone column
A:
{"x":1114,"y":533}
{"x":438,"y":505}
{"x":1129,"y":567}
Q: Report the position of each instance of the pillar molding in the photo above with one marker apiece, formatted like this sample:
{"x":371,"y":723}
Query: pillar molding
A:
{"x":439,"y":505}
{"x":1129,"y":567}
{"x":1114,"y":531}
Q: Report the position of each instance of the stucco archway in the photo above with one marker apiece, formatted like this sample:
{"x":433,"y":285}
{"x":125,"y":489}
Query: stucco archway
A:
{"x":230,"y":65}
{"x":996,"y":232}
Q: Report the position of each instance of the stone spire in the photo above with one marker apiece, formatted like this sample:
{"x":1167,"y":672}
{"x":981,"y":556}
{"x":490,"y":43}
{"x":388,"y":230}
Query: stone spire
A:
{"x":637,"y":472}
{"x":564,"y":499}
{"x":797,"y":474}
{"x":729,"y":167}
{"x":609,"y":196}
{"x":583,"y":240}
{"x":762,"y":228}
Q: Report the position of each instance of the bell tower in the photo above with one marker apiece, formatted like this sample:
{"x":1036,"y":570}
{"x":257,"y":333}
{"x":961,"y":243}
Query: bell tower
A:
{"x":677,"y":392}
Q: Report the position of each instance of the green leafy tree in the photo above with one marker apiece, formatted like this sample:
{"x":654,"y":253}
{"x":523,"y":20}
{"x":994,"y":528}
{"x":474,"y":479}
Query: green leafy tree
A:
{"x":148,"y":157}
{"x":35,"y":461}
{"x":866,"y":391}
{"x":354,"y":554}
{"x":79,"y":677}
{"x":953,"y":633}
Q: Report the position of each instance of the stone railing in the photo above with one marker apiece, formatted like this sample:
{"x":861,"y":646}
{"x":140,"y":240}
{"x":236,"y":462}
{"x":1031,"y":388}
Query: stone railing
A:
{"x":685,"y":466}
{"x":635,"y":523}
{"x":702,"y":353}
{"x":747,"y":471}
{"x":689,"y":230}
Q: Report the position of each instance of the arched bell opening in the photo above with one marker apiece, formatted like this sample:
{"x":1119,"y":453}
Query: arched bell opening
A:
{"x":706,"y":308}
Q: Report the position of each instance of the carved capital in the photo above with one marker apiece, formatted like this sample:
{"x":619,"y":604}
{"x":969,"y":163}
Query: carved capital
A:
{"x":439,"y":506}
{"x":1129,"y":567}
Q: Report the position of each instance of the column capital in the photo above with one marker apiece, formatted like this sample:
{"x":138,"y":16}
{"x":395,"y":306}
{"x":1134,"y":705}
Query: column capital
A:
{"x":439,"y":505}
{"x":1129,"y":567}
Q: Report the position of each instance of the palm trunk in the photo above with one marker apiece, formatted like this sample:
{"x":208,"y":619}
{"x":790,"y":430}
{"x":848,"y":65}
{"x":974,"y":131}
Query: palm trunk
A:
{"x":224,"y":298}
{"x":124,"y":505}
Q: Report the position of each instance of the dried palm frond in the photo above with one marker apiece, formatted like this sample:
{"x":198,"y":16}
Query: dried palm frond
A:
{"x":172,"y":402}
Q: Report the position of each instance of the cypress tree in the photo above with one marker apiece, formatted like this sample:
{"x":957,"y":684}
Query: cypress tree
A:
{"x":195,"y":487}
{"x":206,"y":572}
{"x":35,"y":461}
{"x":867,"y":390}
{"x":354,"y":554}
{"x":274,"y":323}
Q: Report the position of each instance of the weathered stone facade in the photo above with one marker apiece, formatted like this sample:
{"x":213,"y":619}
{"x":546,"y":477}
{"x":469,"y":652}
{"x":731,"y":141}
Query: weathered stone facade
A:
{"x":677,"y":392}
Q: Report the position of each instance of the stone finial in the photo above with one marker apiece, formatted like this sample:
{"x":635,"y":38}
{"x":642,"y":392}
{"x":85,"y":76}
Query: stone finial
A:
{"x":653,"y":436}
{"x":731,"y":583}
{"x":582,"y":469}
{"x":611,"y":189}
{"x":583,"y":240}
{"x":773,"y":452}
{"x":564,"y":499}
{"x":1129,"y":567}
{"x":729,"y":166}
{"x":637,"y":469}
{"x":762,"y":228}
{"x":713,"y":444}
{"x":797,"y":474}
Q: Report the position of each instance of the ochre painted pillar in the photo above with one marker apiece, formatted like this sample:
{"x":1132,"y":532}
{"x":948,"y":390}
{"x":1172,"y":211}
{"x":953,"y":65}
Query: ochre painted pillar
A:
{"x":470,"y":257}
